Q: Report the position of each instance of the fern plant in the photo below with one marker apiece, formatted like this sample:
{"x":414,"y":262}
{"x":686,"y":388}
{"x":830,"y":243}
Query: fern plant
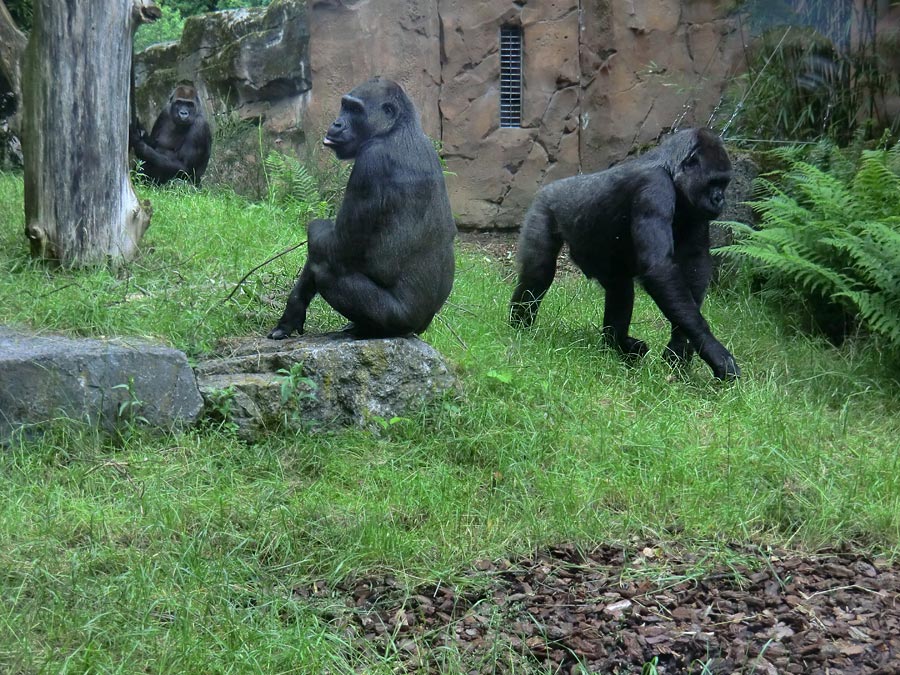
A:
{"x":292,"y":185}
{"x":832,"y":237}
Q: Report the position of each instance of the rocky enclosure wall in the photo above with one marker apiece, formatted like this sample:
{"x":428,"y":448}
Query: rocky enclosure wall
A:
{"x":251,"y":70}
{"x":601,"y":77}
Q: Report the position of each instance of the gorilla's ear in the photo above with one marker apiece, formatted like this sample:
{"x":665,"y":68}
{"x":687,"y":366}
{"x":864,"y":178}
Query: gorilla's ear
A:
{"x":389,"y":109}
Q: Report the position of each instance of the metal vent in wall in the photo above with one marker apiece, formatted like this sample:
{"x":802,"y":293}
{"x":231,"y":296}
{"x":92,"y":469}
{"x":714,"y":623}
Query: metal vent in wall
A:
{"x":510,"y":76}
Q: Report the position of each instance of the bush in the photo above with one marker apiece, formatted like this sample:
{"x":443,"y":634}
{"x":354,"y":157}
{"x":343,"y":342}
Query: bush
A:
{"x":174,"y":12}
{"x":165,"y":29}
{"x":815,"y":72}
{"x":22,"y":13}
{"x":832,"y":239}
{"x":310,"y":193}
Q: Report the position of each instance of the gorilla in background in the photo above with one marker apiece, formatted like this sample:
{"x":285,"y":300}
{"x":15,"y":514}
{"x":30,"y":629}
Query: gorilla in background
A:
{"x":386,"y":263}
{"x":647,"y":218}
{"x":180,"y":142}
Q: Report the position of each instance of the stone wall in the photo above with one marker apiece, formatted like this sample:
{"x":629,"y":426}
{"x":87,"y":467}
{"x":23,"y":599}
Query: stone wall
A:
{"x":601,"y":78}
{"x":647,"y":66}
{"x":354,"y":40}
{"x":498,"y":169}
{"x":251,"y":70}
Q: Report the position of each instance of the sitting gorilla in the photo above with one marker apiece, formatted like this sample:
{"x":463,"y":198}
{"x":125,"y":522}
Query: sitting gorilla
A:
{"x":386,"y":263}
{"x":646,"y":218}
{"x":180,"y":142}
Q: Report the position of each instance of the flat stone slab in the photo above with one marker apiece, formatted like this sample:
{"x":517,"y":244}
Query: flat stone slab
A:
{"x":108,"y":382}
{"x":317,"y":381}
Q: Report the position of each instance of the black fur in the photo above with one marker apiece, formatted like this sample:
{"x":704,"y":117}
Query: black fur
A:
{"x":646,"y":218}
{"x":179,"y":144}
{"x":386,"y":263}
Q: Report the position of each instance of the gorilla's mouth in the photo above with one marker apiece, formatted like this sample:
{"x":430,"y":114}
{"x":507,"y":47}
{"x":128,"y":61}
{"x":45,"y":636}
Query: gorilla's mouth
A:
{"x":329,"y":142}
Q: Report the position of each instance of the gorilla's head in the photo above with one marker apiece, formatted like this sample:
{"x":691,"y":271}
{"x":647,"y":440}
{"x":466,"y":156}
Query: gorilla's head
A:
{"x":183,"y":105}
{"x":702,"y":170}
{"x":374,"y":108}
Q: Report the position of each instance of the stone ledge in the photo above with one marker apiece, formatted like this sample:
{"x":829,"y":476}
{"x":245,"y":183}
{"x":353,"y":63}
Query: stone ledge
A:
{"x":257,"y":384}
{"x":320,"y":381}
{"x":48,"y":377}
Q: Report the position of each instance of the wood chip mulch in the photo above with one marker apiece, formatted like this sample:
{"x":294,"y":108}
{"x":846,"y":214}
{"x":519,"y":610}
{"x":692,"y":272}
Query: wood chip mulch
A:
{"x":614,"y":611}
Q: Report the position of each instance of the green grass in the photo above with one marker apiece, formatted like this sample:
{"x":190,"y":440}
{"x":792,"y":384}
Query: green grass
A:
{"x":180,"y":554}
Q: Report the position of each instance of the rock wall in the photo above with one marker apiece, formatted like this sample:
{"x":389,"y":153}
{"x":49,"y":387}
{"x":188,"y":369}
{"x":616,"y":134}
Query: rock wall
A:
{"x":601,"y":78}
{"x":498,"y":169}
{"x":648,"y":66}
{"x":251,"y":69}
{"x":354,"y":40}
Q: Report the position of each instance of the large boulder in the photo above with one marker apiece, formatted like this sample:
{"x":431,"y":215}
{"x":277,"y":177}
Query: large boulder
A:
{"x":319,"y":381}
{"x":251,"y":70}
{"x":106,"y":382}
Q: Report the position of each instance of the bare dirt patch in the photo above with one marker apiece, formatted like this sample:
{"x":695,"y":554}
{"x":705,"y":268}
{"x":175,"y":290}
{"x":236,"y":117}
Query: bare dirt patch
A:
{"x":614,"y":611}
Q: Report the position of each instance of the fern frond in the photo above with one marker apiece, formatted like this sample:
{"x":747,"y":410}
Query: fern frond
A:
{"x":834,"y":235}
{"x":876,"y":187}
{"x":292,"y":182}
{"x":880,"y":315}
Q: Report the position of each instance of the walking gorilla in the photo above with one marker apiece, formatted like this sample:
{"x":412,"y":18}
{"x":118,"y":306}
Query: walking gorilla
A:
{"x":179,"y":144}
{"x":386,"y":263}
{"x":646,"y":218}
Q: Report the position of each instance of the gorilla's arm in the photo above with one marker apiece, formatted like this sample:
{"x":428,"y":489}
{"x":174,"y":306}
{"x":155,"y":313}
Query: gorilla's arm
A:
{"x":163,"y":160}
{"x":664,"y":281}
{"x":189,"y":159}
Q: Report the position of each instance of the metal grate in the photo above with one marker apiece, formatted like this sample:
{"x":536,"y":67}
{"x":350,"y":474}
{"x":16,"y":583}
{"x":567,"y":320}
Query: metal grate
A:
{"x":510,"y":76}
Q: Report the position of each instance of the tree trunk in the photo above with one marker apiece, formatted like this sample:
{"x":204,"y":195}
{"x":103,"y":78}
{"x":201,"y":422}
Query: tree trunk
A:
{"x":80,"y":207}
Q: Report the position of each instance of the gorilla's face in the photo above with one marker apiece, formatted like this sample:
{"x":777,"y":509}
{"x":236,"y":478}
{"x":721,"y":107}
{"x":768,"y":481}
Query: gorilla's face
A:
{"x":183,"y":112}
{"x":704,"y":175}
{"x":349,"y":130}
{"x":371,"y":109}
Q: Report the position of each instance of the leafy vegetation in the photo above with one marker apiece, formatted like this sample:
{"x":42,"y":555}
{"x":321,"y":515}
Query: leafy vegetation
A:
{"x":174,"y":12}
{"x":832,"y":238}
{"x":307,"y":193}
{"x":167,"y":28}
{"x":192,"y":7}
{"x":816,"y":72}
{"x":185,"y":553}
{"x":170,"y":26}
{"x":22,"y":12}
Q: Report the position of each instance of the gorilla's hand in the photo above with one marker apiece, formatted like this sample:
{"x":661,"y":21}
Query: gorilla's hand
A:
{"x":136,"y":135}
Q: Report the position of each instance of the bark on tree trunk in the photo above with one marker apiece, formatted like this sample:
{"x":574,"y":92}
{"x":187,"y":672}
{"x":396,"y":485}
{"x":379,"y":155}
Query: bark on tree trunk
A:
{"x":80,"y":207}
